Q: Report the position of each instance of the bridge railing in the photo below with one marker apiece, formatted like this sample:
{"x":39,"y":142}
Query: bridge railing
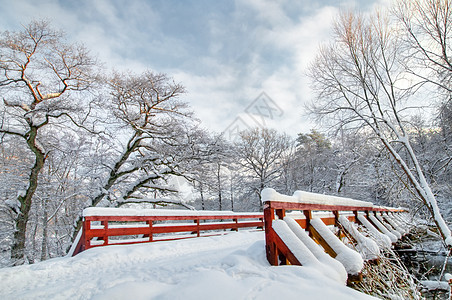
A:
{"x":303,"y":207}
{"x":110,"y":226}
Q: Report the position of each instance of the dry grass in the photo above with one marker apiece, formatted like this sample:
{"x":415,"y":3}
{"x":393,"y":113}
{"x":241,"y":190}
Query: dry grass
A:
{"x":388,"y":279}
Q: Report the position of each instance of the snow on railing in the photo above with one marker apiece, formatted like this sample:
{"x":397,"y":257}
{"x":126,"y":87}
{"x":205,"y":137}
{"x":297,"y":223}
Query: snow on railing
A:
{"x":382,"y":228}
{"x":366,"y":246}
{"x":382,"y":239}
{"x":108,"y":226}
{"x":304,"y":256}
{"x":302,"y":197}
{"x":315,"y":212}
{"x":351,"y":259}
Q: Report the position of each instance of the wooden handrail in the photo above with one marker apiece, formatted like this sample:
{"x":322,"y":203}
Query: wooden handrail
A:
{"x":151,"y":228}
{"x":278,"y":207}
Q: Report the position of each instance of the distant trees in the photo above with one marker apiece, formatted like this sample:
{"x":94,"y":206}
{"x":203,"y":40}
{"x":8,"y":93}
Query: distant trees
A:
{"x":211,"y":172}
{"x":313,"y":162}
{"x":234,"y":174}
{"x":261,"y":153}
{"x":362,"y":84}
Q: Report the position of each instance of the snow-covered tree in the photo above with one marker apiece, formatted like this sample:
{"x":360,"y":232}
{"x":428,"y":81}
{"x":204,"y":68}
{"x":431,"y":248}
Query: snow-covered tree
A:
{"x":361,"y":81}
{"x":149,"y":125}
{"x":313,"y":169}
{"x":261,"y":153}
{"x":40,"y":76}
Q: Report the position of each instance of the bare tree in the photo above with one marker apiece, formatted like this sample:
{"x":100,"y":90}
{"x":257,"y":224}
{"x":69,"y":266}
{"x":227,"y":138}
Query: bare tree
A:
{"x":361,"y":82}
{"x":39,"y":74}
{"x":260,"y":153}
{"x":428,"y":26}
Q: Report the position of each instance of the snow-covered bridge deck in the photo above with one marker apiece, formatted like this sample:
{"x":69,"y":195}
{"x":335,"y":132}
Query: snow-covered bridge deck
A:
{"x":233,"y":266}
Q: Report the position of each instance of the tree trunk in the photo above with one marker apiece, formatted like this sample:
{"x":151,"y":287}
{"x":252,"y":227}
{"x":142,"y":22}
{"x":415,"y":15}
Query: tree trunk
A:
{"x":232,"y":193}
{"x":18,"y":247}
{"x":44,"y":232}
{"x":422,"y":188}
{"x":220,"y":196}
{"x":201,"y":190}
{"x":114,"y":175}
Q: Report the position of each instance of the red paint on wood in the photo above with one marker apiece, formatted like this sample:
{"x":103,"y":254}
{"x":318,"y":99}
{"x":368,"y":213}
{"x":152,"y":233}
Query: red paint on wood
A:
{"x":148,"y":226}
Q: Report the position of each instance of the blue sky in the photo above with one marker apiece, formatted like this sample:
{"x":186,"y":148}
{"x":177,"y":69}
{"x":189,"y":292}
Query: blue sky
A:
{"x":226,"y":53}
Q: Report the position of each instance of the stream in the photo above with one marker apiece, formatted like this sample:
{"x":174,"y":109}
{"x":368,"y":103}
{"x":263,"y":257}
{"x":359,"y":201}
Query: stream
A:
{"x":424,"y":257}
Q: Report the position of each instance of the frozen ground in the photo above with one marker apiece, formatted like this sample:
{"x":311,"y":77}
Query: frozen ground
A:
{"x":232,"y":266}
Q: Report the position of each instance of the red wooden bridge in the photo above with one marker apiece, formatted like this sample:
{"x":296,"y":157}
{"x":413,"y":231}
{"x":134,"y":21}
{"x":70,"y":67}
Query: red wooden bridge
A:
{"x":110,"y":226}
{"x":304,"y":207}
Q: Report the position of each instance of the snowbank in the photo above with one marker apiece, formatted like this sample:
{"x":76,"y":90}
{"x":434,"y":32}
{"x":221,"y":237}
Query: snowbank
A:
{"x":233,"y":266}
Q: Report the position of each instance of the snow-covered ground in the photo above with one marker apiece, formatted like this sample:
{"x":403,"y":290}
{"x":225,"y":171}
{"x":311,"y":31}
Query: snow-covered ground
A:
{"x":231,"y":266}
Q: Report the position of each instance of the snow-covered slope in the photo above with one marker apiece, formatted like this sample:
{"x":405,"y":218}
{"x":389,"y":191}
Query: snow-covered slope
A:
{"x":232,"y":266}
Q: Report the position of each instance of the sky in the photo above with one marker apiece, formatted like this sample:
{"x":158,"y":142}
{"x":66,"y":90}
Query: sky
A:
{"x":243,"y":62}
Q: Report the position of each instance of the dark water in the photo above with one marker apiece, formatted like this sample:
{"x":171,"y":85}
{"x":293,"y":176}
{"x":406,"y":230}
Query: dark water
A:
{"x":424,"y":258}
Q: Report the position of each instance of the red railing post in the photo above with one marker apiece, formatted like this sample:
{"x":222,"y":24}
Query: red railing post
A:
{"x":281,"y":213}
{"x":308,"y":216}
{"x":270,"y":243}
{"x":105,"y":235}
{"x":150,"y":223}
{"x":86,"y":230}
{"x":197,"y":227}
{"x":450,"y":285}
{"x":337,"y":224}
{"x":355,"y":212}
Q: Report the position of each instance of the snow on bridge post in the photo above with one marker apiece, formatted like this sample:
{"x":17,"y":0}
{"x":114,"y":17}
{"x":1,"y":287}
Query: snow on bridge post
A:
{"x":314,"y":212}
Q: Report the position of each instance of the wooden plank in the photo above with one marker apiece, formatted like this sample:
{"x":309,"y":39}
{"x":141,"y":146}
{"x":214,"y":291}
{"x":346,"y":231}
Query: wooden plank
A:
{"x":171,"y":218}
{"x":148,"y":231}
{"x":322,"y":242}
{"x":117,"y":231}
{"x":282,"y":248}
{"x":329,"y":220}
{"x":308,"y":206}
{"x":301,"y":222}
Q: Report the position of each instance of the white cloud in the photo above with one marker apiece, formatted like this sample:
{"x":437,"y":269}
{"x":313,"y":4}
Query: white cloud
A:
{"x":225,"y":53}
{"x":223,"y":96}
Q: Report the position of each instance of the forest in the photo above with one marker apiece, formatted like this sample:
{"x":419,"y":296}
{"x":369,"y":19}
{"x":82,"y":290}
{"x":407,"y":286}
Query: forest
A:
{"x":75,"y":135}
